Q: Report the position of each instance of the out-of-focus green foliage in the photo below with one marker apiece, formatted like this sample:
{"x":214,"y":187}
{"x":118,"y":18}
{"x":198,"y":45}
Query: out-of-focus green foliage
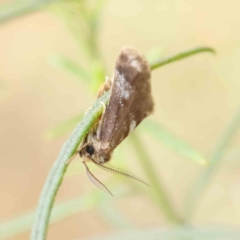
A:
{"x":173,"y":142}
{"x":63,"y":127}
{"x":72,"y":67}
{"x":204,"y":178}
{"x":18,"y":8}
{"x":177,"y":233}
{"x":60,"y":211}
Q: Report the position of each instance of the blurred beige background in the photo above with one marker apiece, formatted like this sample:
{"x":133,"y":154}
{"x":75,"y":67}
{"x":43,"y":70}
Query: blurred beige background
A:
{"x":195,"y":98}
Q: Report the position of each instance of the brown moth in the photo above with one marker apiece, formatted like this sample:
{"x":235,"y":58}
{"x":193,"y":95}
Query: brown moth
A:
{"x":130,"y":102}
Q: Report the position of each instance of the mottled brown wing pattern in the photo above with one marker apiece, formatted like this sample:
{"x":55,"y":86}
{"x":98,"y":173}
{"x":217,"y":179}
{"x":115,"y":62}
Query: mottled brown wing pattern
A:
{"x":130,"y":100}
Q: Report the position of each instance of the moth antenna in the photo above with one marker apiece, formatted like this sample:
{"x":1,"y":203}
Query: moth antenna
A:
{"x":113,"y":169}
{"x":95,"y":181}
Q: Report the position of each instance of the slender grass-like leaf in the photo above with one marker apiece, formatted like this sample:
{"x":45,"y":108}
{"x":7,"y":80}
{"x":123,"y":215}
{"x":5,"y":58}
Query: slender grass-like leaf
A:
{"x":8,"y":6}
{"x":56,"y":174}
{"x":204,"y":178}
{"x":23,"y":8}
{"x":173,"y":142}
{"x":110,"y":213}
{"x":180,"y":56}
{"x":98,"y":74}
{"x":71,"y":66}
{"x":159,"y":192}
{"x":154,"y":54}
{"x":60,"y":211}
{"x":174,"y":233}
{"x":63,"y":127}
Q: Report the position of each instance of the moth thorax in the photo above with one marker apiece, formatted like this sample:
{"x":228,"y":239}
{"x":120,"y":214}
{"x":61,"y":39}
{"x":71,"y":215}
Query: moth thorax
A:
{"x":103,"y":155}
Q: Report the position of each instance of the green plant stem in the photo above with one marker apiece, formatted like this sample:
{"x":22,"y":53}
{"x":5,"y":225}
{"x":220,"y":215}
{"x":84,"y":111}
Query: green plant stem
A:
{"x":204,"y":178}
{"x":56,"y":174}
{"x":158,"y":190}
{"x":180,"y":56}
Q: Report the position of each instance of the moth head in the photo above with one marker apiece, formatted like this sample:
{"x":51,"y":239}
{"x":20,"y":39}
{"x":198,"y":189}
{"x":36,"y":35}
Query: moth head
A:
{"x":92,"y":152}
{"x":87,"y":151}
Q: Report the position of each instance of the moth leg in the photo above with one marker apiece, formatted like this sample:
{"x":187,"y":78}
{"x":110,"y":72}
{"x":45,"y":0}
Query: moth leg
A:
{"x":76,"y":153}
{"x":87,"y":110}
{"x":99,"y":129}
{"x":108,"y":83}
{"x":104,"y":87}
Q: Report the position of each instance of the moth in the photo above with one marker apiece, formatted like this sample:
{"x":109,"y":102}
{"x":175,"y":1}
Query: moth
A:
{"x":129,"y":103}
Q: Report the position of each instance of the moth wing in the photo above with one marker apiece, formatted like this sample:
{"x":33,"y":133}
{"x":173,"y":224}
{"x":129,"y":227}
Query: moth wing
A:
{"x":130,"y":99}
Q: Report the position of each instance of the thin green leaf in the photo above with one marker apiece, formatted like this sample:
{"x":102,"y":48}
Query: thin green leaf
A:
{"x":180,"y":56}
{"x":8,"y":6}
{"x":63,"y":127}
{"x":154,"y":54}
{"x":174,"y":233}
{"x":94,"y":15}
{"x":56,"y":174}
{"x":204,"y":178}
{"x":159,"y":192}
{"x":23,"y":8}
{"x":172,"y":142}
{"x":112,"y":215}
{"x":94,"y":27}
{"x":98,"y":74}
{"x":71,"y":66}
{"x":60,"y":211}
